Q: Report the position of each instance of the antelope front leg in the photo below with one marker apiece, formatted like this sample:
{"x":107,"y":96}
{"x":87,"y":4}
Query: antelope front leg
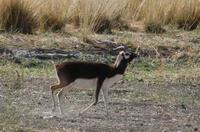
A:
{"x":53,"y":98}
{"x":60,"y":101}
{"x":98,"y":88}
{"x":105,"y":98}
{"x":61,"y":97}
{"x":53,"y":89}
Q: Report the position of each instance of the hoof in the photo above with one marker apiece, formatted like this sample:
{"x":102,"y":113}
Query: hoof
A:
{"x":108,"y":117}
{"x":80,"y":113}
{"x":61,"y":113}
{"x":53,"y":110}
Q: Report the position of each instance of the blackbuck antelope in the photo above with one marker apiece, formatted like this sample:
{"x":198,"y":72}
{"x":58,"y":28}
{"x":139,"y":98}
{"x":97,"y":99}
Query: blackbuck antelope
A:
{"x":102,"y":75}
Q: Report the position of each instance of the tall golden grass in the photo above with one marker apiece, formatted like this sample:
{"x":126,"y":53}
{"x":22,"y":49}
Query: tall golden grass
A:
{"x":96,"y":15}
{"x":53,"y":14}
{"x":99,"y":16}
{"x":18,"y":15}
{"x":183,"y":13}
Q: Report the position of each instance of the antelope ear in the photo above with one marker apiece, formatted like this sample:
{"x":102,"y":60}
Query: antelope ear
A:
{"x":119,"y":48}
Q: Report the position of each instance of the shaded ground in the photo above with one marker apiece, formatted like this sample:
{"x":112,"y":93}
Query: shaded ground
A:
{"x":134,"y":107}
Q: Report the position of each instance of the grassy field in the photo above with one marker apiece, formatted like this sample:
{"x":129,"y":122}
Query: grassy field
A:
{"x":146,"y":70}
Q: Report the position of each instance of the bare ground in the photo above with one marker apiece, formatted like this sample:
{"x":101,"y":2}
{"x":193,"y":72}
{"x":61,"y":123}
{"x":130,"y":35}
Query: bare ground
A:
{"x":140,"y":105}
{"x":131,"y":108}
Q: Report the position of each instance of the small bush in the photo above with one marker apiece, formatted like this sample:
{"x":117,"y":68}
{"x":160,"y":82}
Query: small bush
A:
{"x":18,"y":15}
{"x":73,"y":14}
{"x":93,"y":17}
{"x":104,"y":26}
{"x":153,"y":27}
{"x":121,"y":24}
{"x":51,"y":22}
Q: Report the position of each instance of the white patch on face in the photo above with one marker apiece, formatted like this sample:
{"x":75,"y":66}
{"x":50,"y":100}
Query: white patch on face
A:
{"x":92,"y":83}
{"x":119,"y":59}
{"x":126,"y":55}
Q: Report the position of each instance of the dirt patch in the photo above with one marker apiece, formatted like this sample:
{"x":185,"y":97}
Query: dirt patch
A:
{"x":133,"y":107}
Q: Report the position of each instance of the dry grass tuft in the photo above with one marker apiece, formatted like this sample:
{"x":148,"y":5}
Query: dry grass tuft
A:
{"x":154,"y":27}
{"x":184,"y":13}
{"x":18,"y":15}
{"x":96,"y":16}
{"x":53,"y":15}
{"x":187,"y":15}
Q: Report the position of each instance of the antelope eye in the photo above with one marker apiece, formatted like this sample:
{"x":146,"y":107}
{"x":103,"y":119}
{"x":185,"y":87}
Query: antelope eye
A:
{"x":127,"y":54}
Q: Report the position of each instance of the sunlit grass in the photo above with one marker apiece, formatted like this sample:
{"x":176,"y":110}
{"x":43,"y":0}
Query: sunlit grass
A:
{"x":99,"y":16}
{"x":149,"y":71}
{"x":11,"y":69}
{"x":145,"y":70}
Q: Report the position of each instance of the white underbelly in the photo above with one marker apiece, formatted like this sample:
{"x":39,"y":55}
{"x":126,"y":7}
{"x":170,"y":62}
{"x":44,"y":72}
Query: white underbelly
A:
{"x":91,"y":83}
{"x":109,"y":82}
{"x":85,"y":83}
